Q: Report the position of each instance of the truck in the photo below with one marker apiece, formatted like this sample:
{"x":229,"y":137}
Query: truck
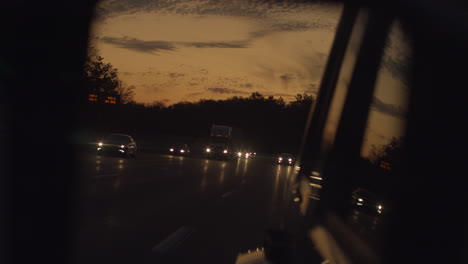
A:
{"x":220,"y":142}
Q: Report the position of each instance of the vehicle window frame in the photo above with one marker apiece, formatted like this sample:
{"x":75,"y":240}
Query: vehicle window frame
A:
{"x":346,"y":145}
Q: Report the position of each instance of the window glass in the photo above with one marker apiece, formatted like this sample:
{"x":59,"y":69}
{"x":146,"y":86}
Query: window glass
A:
{"x":196,"y":82}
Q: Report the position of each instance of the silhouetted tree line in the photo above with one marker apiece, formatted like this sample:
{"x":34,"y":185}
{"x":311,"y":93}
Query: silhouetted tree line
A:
{"x":268,"y":124}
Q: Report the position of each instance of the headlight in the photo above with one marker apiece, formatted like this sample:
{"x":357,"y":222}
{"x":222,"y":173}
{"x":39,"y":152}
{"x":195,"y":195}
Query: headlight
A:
{"x":289,"y":160}
{"x":225,"y":151}
{"x":208,"y":150}
{"x":280,"y":158}
{"x":171,"y":150}
{"x":100,"y":144}
{"x":182,"y":151}
{"x":122,"y":146}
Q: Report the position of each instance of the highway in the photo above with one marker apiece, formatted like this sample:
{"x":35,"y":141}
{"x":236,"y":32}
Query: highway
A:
{"x":158,"y":208}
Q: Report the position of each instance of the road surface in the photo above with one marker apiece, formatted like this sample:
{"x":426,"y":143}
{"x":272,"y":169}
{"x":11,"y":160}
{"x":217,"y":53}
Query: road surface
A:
{"x":170,"y":209}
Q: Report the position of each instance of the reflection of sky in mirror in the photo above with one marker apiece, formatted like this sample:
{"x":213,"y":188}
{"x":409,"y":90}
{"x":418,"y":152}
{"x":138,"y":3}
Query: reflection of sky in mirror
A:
{"x":387,"y":118}
{"x":188,"y":50}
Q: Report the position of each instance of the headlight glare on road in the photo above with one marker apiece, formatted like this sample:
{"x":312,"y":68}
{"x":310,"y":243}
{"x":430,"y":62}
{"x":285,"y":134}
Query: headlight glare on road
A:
{"x":208,"y":150}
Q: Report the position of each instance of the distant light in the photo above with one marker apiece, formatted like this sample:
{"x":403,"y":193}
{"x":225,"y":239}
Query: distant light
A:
{"x":359,"y":203}
{"x":100,"y":144}
{"x":280,"y":158}
{"x":171,"y":150}
{"x":255,"y":153}
{"x":315,"y":173}
{"x":289,"y":160}
{"x":182,"y":151}
{"x":122,"y":151}
{"x":225,"y":151}
{"x":98,"y":148}
{"x":360,"y":199}
{"x":296,"y":199}
{"x":247,"y":155}
{"x":122,"y":146}
{"x":379,"y":207}
{"x":208,"y":150}
{"x":239,"y":154}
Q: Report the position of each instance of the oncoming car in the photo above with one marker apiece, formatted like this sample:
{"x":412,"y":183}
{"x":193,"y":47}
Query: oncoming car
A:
{"x":246,"y":154}
{"x":121,"y":144}
{"x":179,"y":149}
{"x":286,"y":159}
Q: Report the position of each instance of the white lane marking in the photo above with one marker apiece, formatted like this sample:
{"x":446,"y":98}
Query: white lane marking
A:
{"x":174,"y":239}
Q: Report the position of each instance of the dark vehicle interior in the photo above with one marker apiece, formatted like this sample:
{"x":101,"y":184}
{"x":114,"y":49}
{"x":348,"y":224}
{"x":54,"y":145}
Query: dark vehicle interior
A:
{"x":420,"y":174}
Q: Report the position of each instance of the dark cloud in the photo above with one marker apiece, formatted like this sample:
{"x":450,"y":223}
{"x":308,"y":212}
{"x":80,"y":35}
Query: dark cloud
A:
{"x":247,"y":85}
{"x":293,"y":26}
{"x":153,"y":46}
{"x":152,"y":88}
{"x":139,"y":45}
{"x":284,"y":27}
{"x":286,"y":77}
{"x":233,"y":44}
{"x":194,"y":94}
{"x":176,"y":75}
{"x":257,"y":8}
{"x":398,"y":68}
{"x":271,"y":11}
{"x":389,"y":109}
{"x":220,"y":90}
{"x":311,"y":88}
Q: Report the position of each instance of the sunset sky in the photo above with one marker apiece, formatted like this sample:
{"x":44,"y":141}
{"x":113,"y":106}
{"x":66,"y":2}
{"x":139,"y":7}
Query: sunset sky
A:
{"x":187,"y":50}
{"x":174,"y":51}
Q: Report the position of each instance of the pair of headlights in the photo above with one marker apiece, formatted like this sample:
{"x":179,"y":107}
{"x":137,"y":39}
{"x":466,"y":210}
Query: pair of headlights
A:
{"x":209,"y":150}
{"x":100,"y":144}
